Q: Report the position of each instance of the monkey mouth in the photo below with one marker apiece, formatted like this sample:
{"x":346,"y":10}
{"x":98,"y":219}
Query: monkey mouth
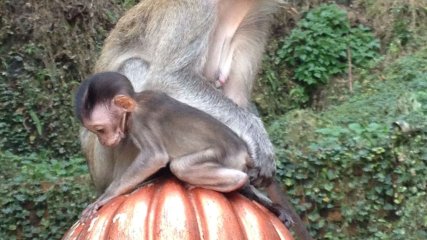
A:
{"x":115,"y":142}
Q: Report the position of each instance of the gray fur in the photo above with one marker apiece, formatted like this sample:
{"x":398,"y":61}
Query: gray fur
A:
{"x":162,"y":45}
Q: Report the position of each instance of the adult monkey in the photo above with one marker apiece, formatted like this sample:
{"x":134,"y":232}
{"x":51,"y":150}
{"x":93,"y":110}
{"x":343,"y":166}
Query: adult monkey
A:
{"x":183,"y":48}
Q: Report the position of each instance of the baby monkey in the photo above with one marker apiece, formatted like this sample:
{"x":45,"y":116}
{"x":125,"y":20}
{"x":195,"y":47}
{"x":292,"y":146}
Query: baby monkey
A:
{"x":199,"y":149}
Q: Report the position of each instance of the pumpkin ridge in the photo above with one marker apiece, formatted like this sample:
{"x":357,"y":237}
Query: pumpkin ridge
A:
{"x":166,"y":210}
{"x":199,"y":215}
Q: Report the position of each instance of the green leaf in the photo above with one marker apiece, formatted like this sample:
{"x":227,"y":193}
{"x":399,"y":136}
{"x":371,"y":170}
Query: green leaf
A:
{"x":37,"y":122}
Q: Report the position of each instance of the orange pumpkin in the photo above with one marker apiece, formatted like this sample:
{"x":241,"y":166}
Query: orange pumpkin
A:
{"x":165,"y":209}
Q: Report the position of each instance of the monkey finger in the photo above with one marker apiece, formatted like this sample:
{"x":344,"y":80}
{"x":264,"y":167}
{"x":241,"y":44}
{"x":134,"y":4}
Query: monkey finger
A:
{"x":283,"y":215}
{"x":265,"y":174}
{"x":262,"y":164}
{"x":286,"y":219}
{"x":267,"y":177}
{"x":253,"y":174}
{"x":256,"y":179}
{"x":262,"y":181}
{"x":250,"y":163}
{"x":89,"y":212}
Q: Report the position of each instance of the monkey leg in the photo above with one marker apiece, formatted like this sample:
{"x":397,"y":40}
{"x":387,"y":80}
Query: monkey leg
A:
{"x":202,"y":169}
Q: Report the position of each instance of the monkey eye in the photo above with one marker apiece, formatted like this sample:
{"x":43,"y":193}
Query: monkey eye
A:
{"x":99,"y":130}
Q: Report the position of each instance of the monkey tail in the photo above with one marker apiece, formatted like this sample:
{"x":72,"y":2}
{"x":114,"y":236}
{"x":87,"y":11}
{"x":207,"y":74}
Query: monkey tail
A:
{"x":278,"y":196}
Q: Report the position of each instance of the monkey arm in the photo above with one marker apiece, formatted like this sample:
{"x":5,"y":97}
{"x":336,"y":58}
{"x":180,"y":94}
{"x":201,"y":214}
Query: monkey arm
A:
{"x":146,"y":164}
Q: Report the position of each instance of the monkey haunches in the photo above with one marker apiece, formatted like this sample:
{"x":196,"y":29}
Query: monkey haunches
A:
{"x":198,"y":149}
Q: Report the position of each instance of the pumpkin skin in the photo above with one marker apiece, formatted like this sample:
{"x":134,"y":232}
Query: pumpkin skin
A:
{"x":165,"y":209}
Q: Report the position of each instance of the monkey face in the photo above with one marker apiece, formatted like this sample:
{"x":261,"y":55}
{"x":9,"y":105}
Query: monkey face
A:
{"x":107,"y":123}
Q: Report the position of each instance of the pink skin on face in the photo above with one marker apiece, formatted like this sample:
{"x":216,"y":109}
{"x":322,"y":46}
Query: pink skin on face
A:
{"x":105,"y":122}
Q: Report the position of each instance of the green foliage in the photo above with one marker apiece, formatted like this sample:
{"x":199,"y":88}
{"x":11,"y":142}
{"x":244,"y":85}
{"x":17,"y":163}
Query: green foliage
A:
{"x":414,"y":219}
{"x":270,"y":88}
{"x":41,"y":64}
{"x":410,"y":67}
{"x":46,"y":48}
{"x":397,"y":93}
{"x":318,"y":47}
{"x":40,"y":197}
{"x":316,"y":50}
{"x":349,"y":172}
{"x":127,"y":3}
{"x":400,"y":24}
{"x":36,"y":109}
{"x":350,"y":177}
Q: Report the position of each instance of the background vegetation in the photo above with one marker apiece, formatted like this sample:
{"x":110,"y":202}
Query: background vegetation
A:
{"x":343,"y":92}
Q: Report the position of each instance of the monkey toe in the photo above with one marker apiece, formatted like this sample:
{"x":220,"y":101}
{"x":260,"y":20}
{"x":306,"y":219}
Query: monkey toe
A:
{"x":259,"y":180}
{"x":284,"y":217}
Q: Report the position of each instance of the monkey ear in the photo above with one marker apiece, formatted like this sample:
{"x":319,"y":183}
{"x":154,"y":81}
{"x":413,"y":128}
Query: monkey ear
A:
{"x":125,"y":102}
